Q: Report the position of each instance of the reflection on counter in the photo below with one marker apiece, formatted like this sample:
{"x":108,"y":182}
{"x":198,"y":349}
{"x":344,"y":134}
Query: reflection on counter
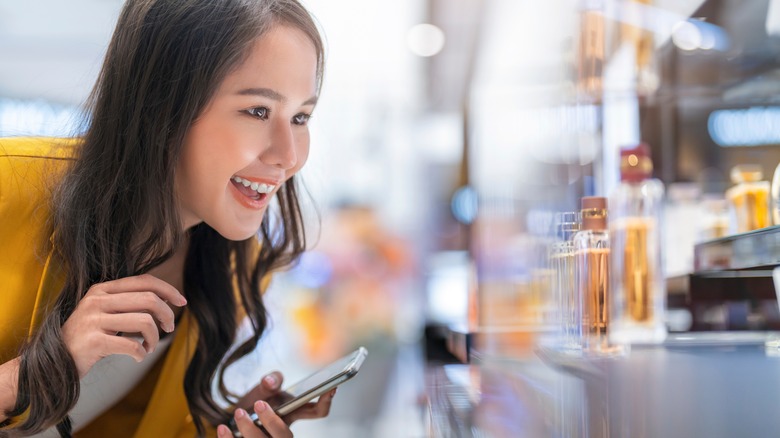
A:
{"x":704,"y":385}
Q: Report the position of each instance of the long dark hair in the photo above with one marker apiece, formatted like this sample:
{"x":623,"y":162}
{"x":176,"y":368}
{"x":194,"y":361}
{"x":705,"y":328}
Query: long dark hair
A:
{"x":115,"y":210}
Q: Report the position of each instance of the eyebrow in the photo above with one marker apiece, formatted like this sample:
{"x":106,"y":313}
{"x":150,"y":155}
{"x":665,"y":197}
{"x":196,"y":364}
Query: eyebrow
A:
{"x":271,"y":94}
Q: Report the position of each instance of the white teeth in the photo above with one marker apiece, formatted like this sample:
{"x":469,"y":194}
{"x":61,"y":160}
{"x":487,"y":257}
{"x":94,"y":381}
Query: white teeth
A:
{"x":258,"y":187}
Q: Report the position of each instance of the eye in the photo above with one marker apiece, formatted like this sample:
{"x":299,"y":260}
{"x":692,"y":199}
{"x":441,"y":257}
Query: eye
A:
{"x":259,"y":112}
{"x":301,"y":119}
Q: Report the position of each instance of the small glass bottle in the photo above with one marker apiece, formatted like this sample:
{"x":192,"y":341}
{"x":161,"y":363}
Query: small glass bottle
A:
{"x":748,"y":199}
{"x":592,"y":274}
{"x":562,"y":260}
{"x":637,"y":281}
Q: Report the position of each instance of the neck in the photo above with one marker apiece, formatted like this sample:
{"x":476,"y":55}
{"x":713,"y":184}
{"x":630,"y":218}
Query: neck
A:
{"x":172,"y":270}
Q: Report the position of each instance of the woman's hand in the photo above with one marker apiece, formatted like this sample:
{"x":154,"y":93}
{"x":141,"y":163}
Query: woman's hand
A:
{"x":128,"y":305}
{"x":273,"y":425}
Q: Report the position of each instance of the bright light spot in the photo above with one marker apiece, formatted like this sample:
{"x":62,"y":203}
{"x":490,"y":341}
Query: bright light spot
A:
{"x":633,"y":160}
{"x":687,"y":36}
{"x":425,"y":39}
{"x":745,"y":127}
{"x":465,"y":204}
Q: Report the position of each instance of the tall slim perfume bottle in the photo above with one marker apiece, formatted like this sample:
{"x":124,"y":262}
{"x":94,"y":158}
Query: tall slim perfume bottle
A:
{"x":562,"y":261}
{"x":592,"y":250}
{"x":637,"y":281}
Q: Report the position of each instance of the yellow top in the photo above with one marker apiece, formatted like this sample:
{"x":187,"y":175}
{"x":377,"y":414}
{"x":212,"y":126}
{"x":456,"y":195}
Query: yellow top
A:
{"x":31,"y":277}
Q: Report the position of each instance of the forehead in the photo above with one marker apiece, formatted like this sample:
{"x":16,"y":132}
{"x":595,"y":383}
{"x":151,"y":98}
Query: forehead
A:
{"x":284,"y":55}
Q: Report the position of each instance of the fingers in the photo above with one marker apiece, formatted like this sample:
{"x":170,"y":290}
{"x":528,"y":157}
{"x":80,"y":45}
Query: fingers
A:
{"x":142,"y":302}
{"x":143,"y":282}
{"x":130,"y":305}
{"x":272,"y":381}
{"x":224,"y":431}
{"x":273,"y":423}
{"x":122,"y":345}
{"x":269,"y":386}
{"x":142,"y":323}
{"x":249,"y":429}
{"x":320,"y":409}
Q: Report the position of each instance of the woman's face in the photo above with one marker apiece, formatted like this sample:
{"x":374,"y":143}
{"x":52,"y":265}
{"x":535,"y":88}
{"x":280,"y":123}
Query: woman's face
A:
{"x":251,"y":138}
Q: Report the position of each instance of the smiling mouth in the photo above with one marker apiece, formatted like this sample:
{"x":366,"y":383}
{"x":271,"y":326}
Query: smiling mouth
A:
{"x":252,"y":190}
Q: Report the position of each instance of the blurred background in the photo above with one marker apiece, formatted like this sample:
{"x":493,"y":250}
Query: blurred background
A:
{"x":448,"y":134}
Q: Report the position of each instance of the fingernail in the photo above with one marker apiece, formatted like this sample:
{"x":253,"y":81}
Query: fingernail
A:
{"x":223,"y":430}
{"x":183,"y":301}
{"x":333,"y":393}
{"x":168,"y":328}
{"x":270,"y":380}
{"x":260,"y":406}
{"x":240,"y":413}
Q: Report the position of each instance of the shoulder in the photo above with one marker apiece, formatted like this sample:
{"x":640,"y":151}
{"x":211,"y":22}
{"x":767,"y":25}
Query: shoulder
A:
{"x":28,"y":165}
{"x":37,"y":148}
{"x":30,"y":169}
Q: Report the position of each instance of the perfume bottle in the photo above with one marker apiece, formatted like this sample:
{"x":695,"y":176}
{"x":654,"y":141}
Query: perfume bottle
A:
{"x":591,"y":51}
{"x":636,"y":41}
{"x":562,"y":262}
{"x":637,"y":281}
{"x":748,"y":199}
{"x":592,"y":250}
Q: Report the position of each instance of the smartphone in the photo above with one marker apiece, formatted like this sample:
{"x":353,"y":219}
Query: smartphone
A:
{"x":322,"y":381}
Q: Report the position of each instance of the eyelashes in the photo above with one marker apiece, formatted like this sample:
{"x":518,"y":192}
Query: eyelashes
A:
{"x":263,"y":113}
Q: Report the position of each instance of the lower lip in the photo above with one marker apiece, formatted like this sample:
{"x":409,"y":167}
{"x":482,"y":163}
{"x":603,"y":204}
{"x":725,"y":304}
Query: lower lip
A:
{"x":253,"y":204}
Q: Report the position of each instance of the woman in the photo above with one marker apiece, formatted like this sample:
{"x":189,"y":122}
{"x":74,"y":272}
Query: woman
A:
{"x":149,"y":248}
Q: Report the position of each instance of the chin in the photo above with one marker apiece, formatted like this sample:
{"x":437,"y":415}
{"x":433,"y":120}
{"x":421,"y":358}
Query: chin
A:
{"x":238,"y":235}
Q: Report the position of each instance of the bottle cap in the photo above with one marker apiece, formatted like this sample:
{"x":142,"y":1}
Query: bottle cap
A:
{"x":594,"y":213}
{"x":635,"y":163}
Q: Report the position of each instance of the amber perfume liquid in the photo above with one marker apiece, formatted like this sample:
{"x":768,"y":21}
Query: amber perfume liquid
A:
{"x":638,"y":287}
{"x":638,"y":291}
{"x":749,"y":204}
{"x":592,"y":273}
{"x":596,"y":291}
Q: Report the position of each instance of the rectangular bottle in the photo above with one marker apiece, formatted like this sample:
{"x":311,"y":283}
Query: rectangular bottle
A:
{"x":592,"y":249}
{"x":562,"y":261}
{"x":637,"y":279}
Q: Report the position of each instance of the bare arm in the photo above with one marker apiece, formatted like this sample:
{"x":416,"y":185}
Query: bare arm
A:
{"x":9,"y":373}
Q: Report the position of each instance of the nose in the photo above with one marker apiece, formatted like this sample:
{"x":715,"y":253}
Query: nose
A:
{"x":281,"y":150}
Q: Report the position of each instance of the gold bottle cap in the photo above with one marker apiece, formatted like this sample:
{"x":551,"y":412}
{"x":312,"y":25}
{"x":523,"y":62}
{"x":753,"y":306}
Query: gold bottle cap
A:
{"x":594,"y":213}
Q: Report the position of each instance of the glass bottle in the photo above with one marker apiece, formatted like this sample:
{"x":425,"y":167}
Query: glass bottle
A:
{"x":592,"y":273}
{"x":775,"y":203}
{"x":562,"y":260}
{"x":591,"y":53}
{"x":637,"y":281}
{"x":635,"y":38}
{"x":748,"y":199}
